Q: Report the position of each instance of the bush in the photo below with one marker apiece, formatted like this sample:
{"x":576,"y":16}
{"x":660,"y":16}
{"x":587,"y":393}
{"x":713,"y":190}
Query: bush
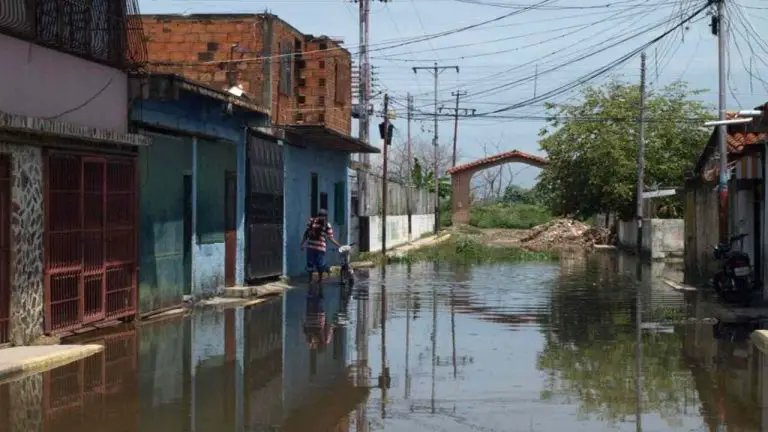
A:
{"x":511,"y":216}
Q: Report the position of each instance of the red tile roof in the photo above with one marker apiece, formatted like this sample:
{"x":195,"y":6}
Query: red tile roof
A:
{"x":511,"y":156}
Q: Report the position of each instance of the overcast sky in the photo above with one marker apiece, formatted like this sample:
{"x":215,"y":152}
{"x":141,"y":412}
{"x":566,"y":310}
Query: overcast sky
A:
{"x":498,"y":60}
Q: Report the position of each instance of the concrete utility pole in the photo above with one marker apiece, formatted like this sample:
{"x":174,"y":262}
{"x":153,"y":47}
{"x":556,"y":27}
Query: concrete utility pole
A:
{"x":384,"y":183}
{"x":364,"y":71}
{"x":466,"y":112}
{"x":641,"y":158}
{"x":719,"y":27}
{"x":436,"y":71}
{"x":409,"y":182}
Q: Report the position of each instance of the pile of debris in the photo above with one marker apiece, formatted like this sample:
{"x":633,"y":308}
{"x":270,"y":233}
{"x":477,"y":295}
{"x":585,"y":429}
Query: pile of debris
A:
{"x":565,"y":234}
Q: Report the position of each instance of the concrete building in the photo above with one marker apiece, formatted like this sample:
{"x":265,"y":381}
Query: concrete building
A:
{"x":192,"y":187}
{"x":67,"y":166}
{"x":746,"y":192}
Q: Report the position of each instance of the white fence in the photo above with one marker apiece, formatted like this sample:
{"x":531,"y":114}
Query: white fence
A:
{"x":397,"y":229}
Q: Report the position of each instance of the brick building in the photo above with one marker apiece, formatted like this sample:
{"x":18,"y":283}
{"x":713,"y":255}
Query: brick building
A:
{"x":304,"y":79}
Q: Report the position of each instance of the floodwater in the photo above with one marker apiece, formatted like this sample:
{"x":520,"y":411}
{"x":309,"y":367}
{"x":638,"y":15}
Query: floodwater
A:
{"x":425,"y":347}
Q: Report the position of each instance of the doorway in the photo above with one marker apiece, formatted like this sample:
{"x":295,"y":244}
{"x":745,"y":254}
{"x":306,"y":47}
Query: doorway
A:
{"x":230,"y":227}
{"x":187,"y":243}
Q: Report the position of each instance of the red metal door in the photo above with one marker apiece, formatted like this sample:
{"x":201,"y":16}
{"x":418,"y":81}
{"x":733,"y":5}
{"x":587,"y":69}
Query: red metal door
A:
{"x":90,"y":228}
{"x":230,"y":227}
{"x":5,"y":247}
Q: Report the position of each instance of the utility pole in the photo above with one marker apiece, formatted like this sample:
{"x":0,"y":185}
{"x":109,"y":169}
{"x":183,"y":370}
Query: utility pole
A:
{"x":436,"y":71}
{"x":409,"y":183}
{"x":641,"y":159}
{"x":364,"y":71}
{"x":719,"y":27}
{"x":466,"y":112}
{"x":458,"y":94}
{"x":384,"y":183}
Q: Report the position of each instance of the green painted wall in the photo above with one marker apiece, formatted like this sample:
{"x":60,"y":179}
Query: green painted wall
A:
{"x":213,"y":160}
{"x":163,"y":279}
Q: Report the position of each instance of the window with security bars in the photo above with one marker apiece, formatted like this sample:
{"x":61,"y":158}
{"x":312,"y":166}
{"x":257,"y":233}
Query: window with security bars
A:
{"x":285,"y":85}
{"x":341,"y":81}
{"x":104,"y":31}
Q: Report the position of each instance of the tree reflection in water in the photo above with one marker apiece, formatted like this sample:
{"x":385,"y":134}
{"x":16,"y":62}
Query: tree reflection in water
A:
{"x":590,"y":348}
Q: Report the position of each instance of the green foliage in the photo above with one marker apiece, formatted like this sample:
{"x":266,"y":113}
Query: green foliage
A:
{"x":465,"y":249}
{"x":503,"y":215}
{"x":425,"y":178}
{"x":514,"y":194}
{"x":592,"y":147}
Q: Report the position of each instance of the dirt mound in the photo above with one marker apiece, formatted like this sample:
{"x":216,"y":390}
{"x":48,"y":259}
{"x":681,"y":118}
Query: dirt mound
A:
{"x":564,"y":234}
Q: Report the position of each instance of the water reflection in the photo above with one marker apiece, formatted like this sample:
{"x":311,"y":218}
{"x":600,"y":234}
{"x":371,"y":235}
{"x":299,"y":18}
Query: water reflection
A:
{"x":579,"y":345}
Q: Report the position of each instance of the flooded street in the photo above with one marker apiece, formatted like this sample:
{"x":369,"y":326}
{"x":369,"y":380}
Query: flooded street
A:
{"x":421,"y":347}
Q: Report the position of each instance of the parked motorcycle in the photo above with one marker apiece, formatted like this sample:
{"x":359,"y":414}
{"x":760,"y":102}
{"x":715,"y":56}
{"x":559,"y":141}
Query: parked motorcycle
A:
{"x":734,"y":283}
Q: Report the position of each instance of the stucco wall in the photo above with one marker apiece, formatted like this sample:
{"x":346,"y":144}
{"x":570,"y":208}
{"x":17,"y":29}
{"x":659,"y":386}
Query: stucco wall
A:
{"x":661,"y":237}
{"x":197,"y":116}
{"x":397,"y":229}
{"x":26,"y":243}
{"x":300,"y":163}
{"x":163,"y":278}
{"x":41,"y":82}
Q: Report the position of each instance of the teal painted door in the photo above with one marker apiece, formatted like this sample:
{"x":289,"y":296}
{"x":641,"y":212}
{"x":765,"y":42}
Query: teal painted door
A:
{"x":187,"y":234}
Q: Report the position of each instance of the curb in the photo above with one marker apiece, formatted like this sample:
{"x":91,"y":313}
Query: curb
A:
{"x":43,"y":362}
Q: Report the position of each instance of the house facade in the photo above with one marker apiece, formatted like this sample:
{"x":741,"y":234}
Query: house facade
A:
{"x":746,"y":205}
{"x":298,"y":163}
{"x":193,"y":188}
{"x":67,"y":168}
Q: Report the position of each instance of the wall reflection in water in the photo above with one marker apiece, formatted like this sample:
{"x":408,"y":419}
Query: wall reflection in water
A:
{"x":232,"y":370}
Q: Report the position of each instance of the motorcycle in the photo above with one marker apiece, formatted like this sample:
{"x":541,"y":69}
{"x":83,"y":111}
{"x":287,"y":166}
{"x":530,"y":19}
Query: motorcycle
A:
{"x":734,"y":283}
{"x":347,"y":274}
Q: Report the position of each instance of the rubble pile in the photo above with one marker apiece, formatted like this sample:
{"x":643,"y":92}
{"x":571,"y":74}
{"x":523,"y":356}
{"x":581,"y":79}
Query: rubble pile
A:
{"x":564,"y":234}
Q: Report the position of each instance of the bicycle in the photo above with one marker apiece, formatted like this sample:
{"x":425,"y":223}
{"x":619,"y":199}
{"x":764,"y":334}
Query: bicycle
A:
{"x":347,"y":277}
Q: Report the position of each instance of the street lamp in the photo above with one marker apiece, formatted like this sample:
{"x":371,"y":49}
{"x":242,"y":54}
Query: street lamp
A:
{"x":729,"y":122}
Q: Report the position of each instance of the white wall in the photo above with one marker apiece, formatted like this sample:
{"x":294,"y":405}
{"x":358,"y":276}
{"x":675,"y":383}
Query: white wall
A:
{"x":41,"y":82}
{"x":397,"y":229}
{"x":661,"y":237}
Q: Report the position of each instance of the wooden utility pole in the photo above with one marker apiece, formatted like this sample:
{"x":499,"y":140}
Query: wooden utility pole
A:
{"x":384,"y":182}
{"x":436,"y":71}
{"x":641,"y":159}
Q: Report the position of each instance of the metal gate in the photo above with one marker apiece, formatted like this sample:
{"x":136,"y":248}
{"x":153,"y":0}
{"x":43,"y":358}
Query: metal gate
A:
{"x":5,"y":247}
{"x":90,"y":240}
{"x":264,"y":211}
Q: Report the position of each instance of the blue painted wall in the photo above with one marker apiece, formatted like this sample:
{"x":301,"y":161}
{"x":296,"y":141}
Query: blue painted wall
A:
{"x":330,"y":167}
{"x":195,"y":115}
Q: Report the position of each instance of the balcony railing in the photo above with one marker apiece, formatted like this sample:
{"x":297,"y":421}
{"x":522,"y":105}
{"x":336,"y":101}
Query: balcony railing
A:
{"x":104,"y":31}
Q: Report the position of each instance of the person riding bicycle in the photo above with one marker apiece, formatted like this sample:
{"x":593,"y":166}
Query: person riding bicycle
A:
{"x":314,"y":239}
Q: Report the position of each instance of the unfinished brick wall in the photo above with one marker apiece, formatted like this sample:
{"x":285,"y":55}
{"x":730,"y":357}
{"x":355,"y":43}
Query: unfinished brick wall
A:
{"x":199,"y":47}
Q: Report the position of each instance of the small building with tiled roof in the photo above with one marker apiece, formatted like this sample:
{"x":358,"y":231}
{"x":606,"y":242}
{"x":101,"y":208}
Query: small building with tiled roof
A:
{"x":746,"y":194}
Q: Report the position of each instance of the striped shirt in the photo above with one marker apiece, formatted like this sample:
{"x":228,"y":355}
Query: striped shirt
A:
{"x":318,"y":234}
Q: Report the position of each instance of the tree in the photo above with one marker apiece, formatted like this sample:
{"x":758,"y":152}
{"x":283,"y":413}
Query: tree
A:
{"x":592,"y":147}
{"x":514,"y":194}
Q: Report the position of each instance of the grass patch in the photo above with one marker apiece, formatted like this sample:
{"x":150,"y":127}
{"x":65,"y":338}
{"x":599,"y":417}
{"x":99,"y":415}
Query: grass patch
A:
{"x":467,"y":250}
{"x":510,"y":216}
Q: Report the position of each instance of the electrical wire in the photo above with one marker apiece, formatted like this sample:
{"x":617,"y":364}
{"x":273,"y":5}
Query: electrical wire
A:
{"x":378,"y":48}
{"x":601,"y":71}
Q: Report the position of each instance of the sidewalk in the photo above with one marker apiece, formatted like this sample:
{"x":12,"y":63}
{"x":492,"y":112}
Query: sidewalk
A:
{"x":404,"y":248}
{"x":17,"y":362}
